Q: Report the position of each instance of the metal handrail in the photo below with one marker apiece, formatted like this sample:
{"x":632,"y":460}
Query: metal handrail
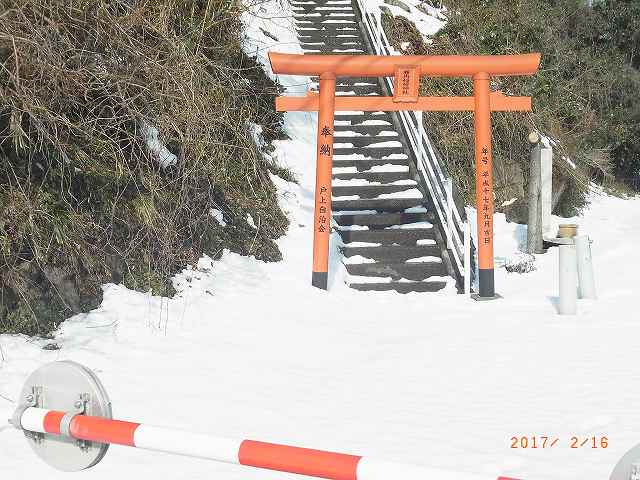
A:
{"x":433,"y":173}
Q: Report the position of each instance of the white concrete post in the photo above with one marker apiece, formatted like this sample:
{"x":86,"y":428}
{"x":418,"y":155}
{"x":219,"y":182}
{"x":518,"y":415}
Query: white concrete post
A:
{"x":467,"y":258}
{"x":568,"y":280}
{"x":586,"y":281}
{"x":448,"y":186}
{"x":546,"y":183}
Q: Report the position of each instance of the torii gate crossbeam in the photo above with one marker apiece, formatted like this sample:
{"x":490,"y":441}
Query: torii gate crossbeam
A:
{"x":407,"y":71}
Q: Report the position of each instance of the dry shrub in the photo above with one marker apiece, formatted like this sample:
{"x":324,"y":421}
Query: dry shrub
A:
{"x":584,"y":96}
{"x":82,"y":201}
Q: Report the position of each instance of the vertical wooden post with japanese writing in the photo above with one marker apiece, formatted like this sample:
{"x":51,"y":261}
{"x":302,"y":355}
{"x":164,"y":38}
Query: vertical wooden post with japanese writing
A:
{"x":322,"y":214}
{"x":484,"y":185}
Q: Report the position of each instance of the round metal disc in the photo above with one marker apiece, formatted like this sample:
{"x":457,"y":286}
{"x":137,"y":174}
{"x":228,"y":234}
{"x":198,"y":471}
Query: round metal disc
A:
{"x":628,"y":468}
{"x":59,"y":386}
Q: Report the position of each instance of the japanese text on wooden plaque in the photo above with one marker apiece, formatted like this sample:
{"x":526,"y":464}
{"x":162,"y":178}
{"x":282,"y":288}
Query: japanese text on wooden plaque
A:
{"x":407,"y":84}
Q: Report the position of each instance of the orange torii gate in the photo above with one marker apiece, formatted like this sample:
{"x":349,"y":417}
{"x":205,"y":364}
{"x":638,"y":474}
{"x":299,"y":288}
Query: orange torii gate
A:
{"x":407,"y":71}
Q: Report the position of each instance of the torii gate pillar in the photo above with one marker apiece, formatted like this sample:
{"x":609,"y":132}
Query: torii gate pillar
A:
{"x":484,"y":185}
{"x":322,"y":212}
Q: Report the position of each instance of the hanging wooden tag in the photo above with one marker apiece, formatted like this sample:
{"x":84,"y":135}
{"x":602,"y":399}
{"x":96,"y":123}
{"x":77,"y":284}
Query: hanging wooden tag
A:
{"x":407,"y":84}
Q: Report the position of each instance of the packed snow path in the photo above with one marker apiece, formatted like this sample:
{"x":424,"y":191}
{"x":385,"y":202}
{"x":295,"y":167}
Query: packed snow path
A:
{"x":379,"y":207}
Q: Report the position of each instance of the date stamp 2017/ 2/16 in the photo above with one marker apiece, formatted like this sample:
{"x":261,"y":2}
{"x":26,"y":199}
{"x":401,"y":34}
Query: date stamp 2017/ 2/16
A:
{"x":574,"y":442}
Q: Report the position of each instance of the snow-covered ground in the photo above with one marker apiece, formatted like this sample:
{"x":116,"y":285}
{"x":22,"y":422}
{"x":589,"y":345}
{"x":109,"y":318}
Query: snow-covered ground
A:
{"x":248,"y":349}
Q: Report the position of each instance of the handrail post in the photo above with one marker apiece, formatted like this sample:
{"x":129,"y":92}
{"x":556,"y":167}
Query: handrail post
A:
{"x":420,"y":135}
{"x":467,"y":258}
{"x":377,"y":15}
{"x":448,"y":185}
{"x":546,"y":187}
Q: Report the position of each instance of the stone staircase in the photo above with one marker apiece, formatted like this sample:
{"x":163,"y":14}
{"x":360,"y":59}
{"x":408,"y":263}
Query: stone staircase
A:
{"x":379,"y":208}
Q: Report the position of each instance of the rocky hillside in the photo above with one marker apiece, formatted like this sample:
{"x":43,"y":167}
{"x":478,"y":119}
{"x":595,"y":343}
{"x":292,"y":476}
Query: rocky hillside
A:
{"x":126,"y":150}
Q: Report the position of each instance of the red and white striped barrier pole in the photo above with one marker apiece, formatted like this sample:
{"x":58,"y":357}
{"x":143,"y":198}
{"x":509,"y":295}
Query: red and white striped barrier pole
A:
{"x":303,"y":461}
{"x":66,"y":415}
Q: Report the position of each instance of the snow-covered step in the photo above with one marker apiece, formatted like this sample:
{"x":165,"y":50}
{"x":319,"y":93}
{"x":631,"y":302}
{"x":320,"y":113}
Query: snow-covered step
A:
{"x":424,"y":236}
{"x":367,"y":141}
{"x":364,"y":164}
{"x":328,"y":29}
{"x":379,"y":205}
{"x":319,"y":50}
{"x":355,"y":90}
{"x":383,"y":220}
{"x":380,"y":177}
{"x":324,"y":15}
{"x":355,"y":42}
{"x":363,"y":119}
{"x":402,"y":270}
{"x":327,"y":26}
{"x":303,"y":20}
{"x":393,"y":254}
{"x":314,"y":37}
{"x":372,"y":130}
{"x":370,"y":150}
{"x":401,"y":287}
{"x":347,"y":80}
{"x":323,"y":10}
{"x":370,"y":191}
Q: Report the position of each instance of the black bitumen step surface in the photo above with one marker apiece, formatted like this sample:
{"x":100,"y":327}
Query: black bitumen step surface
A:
{"x":396,"y":271}
{"x":372,"y":152}
{"x":311,"y":36}
{"x":358,"y":90}
{"x":380,"y":205}
{"x":382,"y":177}
{"x":393,"y":254}
{"x":332,"y":14}
{"x":400,"y":287}
{"x":369,"y":191}
{"x":363,"y":164}
{"x":327,"y":29}
{"x":366,"y":141}
{"x":383,"y":220}
{"x":360,"y":119}
{"x":408,"y":237}
{"x":349,"y":80}
{"x":373,"y":130}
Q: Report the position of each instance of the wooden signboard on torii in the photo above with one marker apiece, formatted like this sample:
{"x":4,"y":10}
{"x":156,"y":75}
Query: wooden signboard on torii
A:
{"x":407,"y":71}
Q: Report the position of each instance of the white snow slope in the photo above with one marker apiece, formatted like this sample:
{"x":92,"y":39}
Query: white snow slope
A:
{"x":250,"y":350}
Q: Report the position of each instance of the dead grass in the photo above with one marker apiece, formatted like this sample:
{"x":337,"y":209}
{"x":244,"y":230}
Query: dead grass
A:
{"x":82,"y":200}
